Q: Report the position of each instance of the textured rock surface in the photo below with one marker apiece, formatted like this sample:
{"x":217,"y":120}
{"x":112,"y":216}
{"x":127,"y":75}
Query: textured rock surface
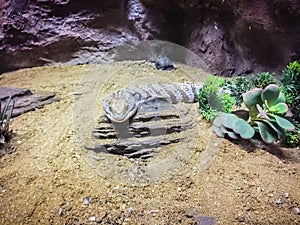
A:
{"x":147,"y":131}
{"x":25,"y":100}
{"x":233,"y":37}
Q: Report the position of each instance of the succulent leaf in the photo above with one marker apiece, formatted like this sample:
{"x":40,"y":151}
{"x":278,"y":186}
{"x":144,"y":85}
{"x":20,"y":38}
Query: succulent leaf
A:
{"x":284,"y":123}
{"x":281,"y":98}
{"x":223,"y":129}
{"x":227,"y":119}
{"x":252,"y":97}
{"x":262,"y":113}
{"x":217,"y":122}
{"x":241,"y":127}
{"x":267,"y":133}
{"x":279,"y":108}
{"x":218,"y":131}
{"x":232,"y":135}
{"x":270,"y":94}
{"x":275,"y":127}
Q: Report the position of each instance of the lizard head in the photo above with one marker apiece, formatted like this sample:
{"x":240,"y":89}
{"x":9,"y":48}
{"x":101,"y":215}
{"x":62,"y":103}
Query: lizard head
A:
{"x":119,"y":106}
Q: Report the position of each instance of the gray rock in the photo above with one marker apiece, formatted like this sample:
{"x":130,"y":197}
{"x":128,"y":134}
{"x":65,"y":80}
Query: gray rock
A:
{"x":278,"y":201}
{"x":296,"y":210}
{"x":86,"y":200}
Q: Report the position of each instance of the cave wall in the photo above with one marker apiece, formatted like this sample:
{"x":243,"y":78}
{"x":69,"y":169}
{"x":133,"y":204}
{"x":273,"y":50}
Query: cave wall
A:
{"x":232,"y":37}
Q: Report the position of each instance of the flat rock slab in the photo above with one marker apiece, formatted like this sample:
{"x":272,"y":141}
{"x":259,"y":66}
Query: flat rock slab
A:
{"x":147,"y":131}
{"x":25,"y":99}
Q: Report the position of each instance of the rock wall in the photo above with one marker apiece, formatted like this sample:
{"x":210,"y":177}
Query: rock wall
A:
{"x":233,"y":37}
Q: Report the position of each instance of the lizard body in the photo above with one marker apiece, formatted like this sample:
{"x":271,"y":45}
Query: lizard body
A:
{"x":123,"y":104}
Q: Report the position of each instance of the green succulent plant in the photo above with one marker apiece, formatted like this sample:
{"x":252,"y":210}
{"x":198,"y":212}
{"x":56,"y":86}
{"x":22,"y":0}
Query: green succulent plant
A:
{"x":5,"y":116}
{"x":213,"y":98}
{"x":266,"y":109}
{"x":263,"y":79}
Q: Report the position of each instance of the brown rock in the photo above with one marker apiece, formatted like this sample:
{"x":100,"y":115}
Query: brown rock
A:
{"x":233,"y":37}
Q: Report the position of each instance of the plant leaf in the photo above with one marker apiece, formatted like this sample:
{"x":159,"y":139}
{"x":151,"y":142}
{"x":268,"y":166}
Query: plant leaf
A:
{"x":227,"y":119}
{"x":279,"y":108}
{"x":284,"y":123}
{"x":267,"y":133}
{"x":218,"y":131}
{"x":262,"y":113}
{"x":251,"y":99}
{"x":275,"y":126}
{"x":232,"y":135}
{"x":270,"y":94}
{"x":241,"y":127}
{"x":281,"y":98}
{"x":217,"y":121}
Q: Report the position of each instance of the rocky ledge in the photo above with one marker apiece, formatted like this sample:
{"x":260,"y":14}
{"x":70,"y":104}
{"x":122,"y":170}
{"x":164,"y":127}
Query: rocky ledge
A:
{"x":232,"y":37}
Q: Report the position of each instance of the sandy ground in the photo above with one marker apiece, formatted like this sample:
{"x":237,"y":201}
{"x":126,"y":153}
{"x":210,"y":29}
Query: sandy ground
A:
{"x":47,"y":178}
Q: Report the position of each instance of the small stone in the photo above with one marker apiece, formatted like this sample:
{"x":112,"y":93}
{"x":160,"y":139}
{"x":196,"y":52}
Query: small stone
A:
{"x":278,"y":201}
{"x":241,"y":219}
{"x":191,"y":213}
{"x":75,"y":93}
{"x":286,"y":195}
{"x":296,"y":210}
{"x":116,"y":188}
{"x":92,"y":218}
{"x":204,"y":220}
{"x":154,"y":211}
{"x":86,"y":200}
{"x":60,"y":211}
{"x":76,"y":155}
{"x":130,"y":210}
{"x":270,"y":195}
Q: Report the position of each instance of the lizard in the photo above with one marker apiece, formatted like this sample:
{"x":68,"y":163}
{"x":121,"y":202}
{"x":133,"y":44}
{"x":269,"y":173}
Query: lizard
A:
{"x":123,"y":104}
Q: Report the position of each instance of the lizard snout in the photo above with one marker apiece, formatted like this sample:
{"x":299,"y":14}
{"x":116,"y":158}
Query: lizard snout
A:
{"x":120,"y":106}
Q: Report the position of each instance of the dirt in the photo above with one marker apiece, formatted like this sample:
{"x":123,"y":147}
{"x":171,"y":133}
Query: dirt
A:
{"x":48,"y":176}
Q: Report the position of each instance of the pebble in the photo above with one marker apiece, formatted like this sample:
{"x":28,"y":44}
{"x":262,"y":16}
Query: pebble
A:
{"x":116,"y":188}
{"x":130,"y":210}
{"x":286,"y":195}
{"x":154,"y":211}
{"x":296,"y":210}
{"x":75,"y":93}
{"x":60,"y":211}
{"x":278,"y":201}
{"x":86,"y":200}
{"x":92,"y":218}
